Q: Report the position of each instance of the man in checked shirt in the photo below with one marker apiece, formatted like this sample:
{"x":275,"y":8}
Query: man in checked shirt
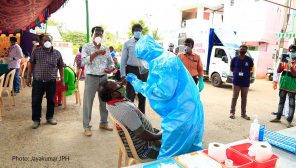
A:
{"x":47,"y":61}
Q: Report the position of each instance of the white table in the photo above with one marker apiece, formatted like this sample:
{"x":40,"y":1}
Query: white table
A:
{"x":286,"y":159}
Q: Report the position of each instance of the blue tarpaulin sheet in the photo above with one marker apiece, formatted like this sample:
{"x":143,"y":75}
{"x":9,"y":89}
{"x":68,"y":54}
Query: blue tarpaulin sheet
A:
{"x":228,"y":38}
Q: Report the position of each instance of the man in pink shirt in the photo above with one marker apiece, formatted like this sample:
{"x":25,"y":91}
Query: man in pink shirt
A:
{"x":15,"y":55}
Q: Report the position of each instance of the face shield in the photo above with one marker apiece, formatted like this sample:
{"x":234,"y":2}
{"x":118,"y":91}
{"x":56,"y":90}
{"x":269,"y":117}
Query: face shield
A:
{"x":143,"y":66}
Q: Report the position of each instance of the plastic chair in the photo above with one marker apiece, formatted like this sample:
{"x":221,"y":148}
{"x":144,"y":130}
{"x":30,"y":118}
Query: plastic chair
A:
{"x":74,"y":65}
{"x":1,"y":100}
{"x":8,"y":86}
{"x":77,"y":92}
{"x":22,"y":76}
{"x":128,"y":160}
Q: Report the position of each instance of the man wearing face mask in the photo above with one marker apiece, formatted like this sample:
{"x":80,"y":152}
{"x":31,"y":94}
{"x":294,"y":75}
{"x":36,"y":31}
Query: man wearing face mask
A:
{"x":35,"y":43}
{"x":95,"y":58}
{"x":171,"y":48}
{"x":46,"y":61}
{"x":129,"y":64}
{"x":287,"y":86}
{"x":15,"y":55}
{"x":193,"y":63}
{"x":143,"y":135}
{"x":241,"y":66}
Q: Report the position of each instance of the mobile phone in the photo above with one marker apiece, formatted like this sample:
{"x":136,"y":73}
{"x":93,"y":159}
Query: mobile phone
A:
{"x":284,"y":57}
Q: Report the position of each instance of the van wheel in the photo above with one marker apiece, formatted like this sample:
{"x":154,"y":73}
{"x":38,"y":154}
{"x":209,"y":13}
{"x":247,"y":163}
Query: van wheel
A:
{"x":216,"y":80}
{"x":270,"y":77}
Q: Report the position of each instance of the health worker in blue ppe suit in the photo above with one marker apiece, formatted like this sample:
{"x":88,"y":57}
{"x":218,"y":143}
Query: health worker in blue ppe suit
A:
{"x":172,"y":94}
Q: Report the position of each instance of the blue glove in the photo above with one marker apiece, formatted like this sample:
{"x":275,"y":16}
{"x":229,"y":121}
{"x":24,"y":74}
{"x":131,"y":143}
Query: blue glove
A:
{"x":200,"y":84}
{"x":131,"y":77}
{"x":135,"y":82}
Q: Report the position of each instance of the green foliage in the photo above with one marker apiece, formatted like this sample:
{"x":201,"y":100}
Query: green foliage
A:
{"x":119,"y":47}
{"x":57,"y":24}
{"x":155,"y":35}
{"x":76,"y":37}
{"x":145,"y":30}
{"x":75,"y":49}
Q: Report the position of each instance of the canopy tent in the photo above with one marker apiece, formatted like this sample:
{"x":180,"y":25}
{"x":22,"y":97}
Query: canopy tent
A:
{"x":25,"y":14}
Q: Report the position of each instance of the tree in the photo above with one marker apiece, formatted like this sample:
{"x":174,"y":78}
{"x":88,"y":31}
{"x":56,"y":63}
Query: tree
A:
{"x":145,"y":30}
{"x":119,"y":47}
{"x":76,"y":37}
{"x":59,"y":25}
{"x":155,"y":35}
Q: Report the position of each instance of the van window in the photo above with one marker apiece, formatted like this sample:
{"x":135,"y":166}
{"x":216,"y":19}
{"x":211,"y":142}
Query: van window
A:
{"x":219,"y":53}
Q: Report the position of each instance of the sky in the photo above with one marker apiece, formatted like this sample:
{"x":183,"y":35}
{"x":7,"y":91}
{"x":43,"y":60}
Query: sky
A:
{"x":117,"y":14}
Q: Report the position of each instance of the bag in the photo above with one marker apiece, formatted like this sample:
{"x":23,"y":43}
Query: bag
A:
{"x":288,"y":83}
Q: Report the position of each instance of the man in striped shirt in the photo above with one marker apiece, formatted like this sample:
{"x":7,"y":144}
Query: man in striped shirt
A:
{"x":145,"y":138}
{"x":288,"y":74}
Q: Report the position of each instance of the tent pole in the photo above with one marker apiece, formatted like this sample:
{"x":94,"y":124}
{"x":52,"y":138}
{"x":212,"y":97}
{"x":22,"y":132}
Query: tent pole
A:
{"x":45,"y":27}
{"x":87,"y":21}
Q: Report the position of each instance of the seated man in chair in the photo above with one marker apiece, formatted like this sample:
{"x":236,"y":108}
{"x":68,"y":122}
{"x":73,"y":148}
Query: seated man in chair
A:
{"x":144,"y":136}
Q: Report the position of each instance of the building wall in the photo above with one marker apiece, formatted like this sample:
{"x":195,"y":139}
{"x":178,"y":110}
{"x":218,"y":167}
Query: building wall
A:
{"x":260,"y":26}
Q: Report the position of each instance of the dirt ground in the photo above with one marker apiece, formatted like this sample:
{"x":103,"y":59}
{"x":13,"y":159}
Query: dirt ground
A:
{"x":18,"y":142}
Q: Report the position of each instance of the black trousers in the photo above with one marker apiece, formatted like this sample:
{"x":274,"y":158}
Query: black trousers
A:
{"x":130,"y":92}
{"x":38,"y":90}
{"x":195,"y":79}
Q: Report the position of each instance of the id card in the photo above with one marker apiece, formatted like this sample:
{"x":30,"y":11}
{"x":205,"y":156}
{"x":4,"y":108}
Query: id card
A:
{"x":241,"y":74}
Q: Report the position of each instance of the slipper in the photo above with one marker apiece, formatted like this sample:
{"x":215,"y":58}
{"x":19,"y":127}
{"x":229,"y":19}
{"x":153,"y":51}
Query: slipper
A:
{"x":290,"y":125}
{"x":245,"y":117}
{"x":275,"y":121}
{"x":232,"y":116}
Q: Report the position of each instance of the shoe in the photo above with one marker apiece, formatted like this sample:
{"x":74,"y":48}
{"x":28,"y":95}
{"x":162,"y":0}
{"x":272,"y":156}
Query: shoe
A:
{"x":52,"y":121}
{"x":87,"y":132}
{"x":106,"y":127}
{"x":35,"y":124}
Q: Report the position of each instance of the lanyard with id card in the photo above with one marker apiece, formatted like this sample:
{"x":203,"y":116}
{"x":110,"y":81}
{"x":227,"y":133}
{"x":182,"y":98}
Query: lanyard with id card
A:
{"x":241,"y":73}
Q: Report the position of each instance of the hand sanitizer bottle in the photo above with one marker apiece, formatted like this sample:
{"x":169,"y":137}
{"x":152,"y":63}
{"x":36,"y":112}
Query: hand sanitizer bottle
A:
{"x":254,"y":130}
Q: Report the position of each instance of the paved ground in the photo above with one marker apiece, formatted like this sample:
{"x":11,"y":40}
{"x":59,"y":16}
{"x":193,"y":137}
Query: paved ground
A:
{"x":101,"y":149}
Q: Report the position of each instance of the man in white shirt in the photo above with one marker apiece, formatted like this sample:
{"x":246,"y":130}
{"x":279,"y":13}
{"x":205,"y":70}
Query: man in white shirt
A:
{"x":95,"y":58}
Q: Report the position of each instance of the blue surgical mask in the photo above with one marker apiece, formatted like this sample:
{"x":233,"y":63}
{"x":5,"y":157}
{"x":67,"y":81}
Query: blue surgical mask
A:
{"x":293,"y":55}
{"x":137,"y":34}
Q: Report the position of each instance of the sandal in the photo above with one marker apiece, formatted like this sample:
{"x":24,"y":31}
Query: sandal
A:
{"x":232,"y":116}
{"x":275,"y":121}
{"x":245,"y":117}
{"x":290,"y":125}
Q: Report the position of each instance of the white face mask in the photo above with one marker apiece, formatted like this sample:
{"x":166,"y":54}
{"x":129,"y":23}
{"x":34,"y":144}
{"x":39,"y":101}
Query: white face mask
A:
{"x":47,"y":44}
{"x":98,"y":40}
{"x":34,"y":42}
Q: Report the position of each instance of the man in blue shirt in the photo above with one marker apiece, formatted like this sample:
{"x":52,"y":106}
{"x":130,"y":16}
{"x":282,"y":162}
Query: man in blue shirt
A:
{"x":241,"y":66}
{"x":111,"y":51}
{"x":129,"y":64}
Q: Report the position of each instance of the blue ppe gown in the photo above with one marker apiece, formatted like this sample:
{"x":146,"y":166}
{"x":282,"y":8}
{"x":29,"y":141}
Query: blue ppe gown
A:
{"x":172,"y":94}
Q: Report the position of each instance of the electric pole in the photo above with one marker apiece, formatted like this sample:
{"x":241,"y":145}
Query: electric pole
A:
{"x":284,"y":28}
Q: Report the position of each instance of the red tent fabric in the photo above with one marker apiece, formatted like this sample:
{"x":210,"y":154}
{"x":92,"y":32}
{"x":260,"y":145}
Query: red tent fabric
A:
{"x":19,"y":14}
